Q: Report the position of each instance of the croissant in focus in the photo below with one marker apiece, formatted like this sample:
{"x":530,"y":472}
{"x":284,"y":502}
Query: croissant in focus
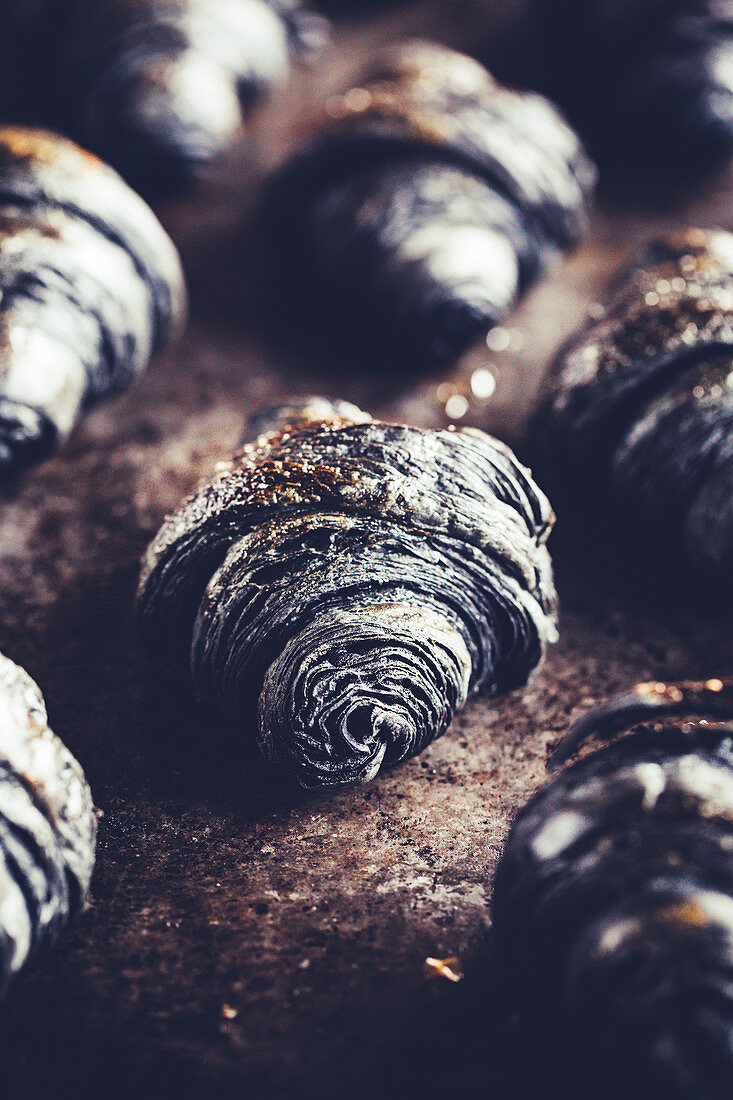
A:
{"x":157,"y":88}
{"x":640,"y":410}
{"x":47,"y":826}
{"x":427,"y":202}
{"x":613,"y":902}
{"x":647,"y":82}
{"x":90,"y":287}
{"x":344,"y":585}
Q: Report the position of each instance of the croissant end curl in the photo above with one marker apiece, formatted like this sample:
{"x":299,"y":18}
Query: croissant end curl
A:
{"x":613,"y":902}
{"x":641,"y":405}
{"x":47,"y":826}
{"x":343,"y":585}
{"x":90,"y":287}
{"x":427,"y":202}
{"x":158,"y":88}
{"x":647,"y":82}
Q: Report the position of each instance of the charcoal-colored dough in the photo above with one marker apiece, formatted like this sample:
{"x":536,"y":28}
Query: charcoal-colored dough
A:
{"x":158,"y":88}
{"x":90,"y":287}
{"x":418,"y":212}
{"x":346,"y":584}
{"x":649,"y":85}
{"x":47,"y":826}
{"x":613,"y":901}
{"x":640,"y":412}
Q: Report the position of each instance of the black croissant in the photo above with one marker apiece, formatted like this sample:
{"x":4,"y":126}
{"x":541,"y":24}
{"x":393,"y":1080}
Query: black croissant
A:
{"x":47,"y":826}
{"x":613,"y":902}
{"x":646,"y":81}
{"x":90,"y":287}
{"x":346,"y":585}
{"x":155,"y":87}
{"x":420,"y":211}
{"x":640,"y":414}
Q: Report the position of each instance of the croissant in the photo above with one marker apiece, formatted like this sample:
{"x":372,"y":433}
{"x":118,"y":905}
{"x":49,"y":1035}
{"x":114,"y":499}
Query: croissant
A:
{"x":613,"y":902}
{"x":90,"y":287}
{"x":155,"y":87}
{"x":47,"y":826}
{"x":427,"y":202}
{"x":647,"y":82}
{"x":640,"y":408}
{"x":346,"y":584}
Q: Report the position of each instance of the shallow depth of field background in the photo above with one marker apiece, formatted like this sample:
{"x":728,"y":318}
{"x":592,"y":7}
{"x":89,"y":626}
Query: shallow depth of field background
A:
{"x":242,"y":939}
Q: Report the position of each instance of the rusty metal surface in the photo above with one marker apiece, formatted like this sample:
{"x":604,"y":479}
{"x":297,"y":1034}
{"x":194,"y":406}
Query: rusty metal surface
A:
{"x":242,"y":939}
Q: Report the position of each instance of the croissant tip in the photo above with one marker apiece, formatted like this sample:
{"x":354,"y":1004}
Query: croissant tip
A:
{"x":351,"y":581}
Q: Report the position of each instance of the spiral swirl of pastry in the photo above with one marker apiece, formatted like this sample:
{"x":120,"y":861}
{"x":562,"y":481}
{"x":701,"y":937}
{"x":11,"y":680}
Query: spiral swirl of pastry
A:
{"x":641,"y":403}
{"x":648,"y":82}
{"x":90,"y":287}
{"x":429,"y":199}
{"x":157,"y":88}
{"x":613,"y":902}
{"x":47,"y":826}
{"x":346,"y":584}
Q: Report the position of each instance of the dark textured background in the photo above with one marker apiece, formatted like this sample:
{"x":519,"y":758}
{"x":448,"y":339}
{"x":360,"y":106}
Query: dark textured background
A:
{"x":243,"y":939}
